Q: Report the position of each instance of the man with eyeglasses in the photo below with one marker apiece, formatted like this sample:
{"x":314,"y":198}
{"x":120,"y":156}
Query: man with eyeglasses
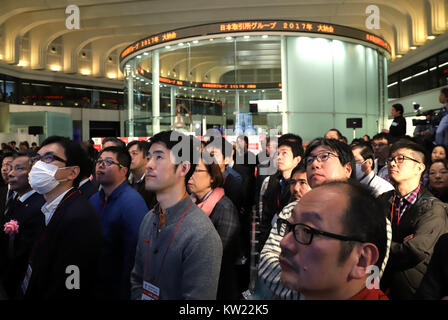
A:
{"x":365,"y":172}
{"x":325,"y":160}
{"x":269,"y":268}
{"x":138,"y":151}
{"x":25,"y":208}
{"x":328,"y":160}
{"x":70,"y":243}
{"x":121,"y":210}
{"x":334,"y":237}
{"x":418,"y":219}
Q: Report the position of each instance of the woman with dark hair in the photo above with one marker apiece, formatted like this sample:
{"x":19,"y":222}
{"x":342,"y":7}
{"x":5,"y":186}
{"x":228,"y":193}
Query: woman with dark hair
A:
{"x":206,"y":190}
{"x":438,"y":179}
{"x":438,"y":152}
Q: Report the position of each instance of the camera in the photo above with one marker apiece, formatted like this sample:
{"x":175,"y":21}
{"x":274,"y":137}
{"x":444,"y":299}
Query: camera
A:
{"x":433,"y":120}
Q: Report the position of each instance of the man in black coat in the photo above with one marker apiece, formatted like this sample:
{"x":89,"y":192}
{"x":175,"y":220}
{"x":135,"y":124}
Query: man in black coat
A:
{"x":398,"y":126}
{"x":418,"y":220}
{"x":64,"y":263}
{"x":25,"y":208}
{"x":138,"y":151}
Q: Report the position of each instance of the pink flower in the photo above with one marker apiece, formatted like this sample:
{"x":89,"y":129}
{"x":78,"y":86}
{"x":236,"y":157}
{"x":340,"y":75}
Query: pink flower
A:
{"x":11,"y":227}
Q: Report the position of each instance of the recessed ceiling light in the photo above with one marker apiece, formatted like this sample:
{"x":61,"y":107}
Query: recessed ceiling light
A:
{"x":430,"y":37}
{"x":413,"y":48}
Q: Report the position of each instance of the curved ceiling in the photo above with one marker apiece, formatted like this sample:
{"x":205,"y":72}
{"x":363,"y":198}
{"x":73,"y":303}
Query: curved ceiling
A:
{"x":33,"y":33}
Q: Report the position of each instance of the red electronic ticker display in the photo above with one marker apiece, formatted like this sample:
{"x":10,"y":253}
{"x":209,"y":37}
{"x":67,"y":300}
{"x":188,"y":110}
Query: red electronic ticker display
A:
{"x":204,"y":85}
{"x":253,"y":26}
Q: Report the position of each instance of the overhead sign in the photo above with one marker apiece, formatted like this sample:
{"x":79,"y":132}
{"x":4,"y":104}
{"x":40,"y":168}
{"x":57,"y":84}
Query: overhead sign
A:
{"x":253,"y":26}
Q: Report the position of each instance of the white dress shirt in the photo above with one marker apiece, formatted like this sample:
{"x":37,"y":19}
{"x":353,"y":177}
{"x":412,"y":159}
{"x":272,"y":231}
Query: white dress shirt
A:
{"x":48,"y":209}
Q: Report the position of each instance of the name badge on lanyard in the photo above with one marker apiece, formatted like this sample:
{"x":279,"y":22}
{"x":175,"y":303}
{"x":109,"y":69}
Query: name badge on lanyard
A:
{"x":150,"y":291}
{"x":27,"y":278}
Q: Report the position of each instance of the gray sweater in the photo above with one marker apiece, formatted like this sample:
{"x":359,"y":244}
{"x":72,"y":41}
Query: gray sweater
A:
{"x":193,"y":260}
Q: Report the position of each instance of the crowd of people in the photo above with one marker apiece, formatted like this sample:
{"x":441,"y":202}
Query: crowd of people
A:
{"x":179,"y":218}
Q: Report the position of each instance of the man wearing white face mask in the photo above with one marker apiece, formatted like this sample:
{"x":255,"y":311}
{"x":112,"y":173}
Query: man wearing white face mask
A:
{"x":365,"y":174}
{"x":70,"y":244}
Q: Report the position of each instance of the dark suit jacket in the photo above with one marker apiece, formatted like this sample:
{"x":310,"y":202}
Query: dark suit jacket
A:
{"x":149,"y":196}
{"x":3,"y":192}
{"x":88,"y":189}
{"x":72,"y":238}
{"x":31,"y":222}
{"x":434,"y":285}
{"x":427,"y":221}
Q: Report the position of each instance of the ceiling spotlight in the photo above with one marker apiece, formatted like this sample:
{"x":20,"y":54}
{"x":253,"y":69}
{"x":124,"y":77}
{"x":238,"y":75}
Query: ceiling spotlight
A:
{"x":398,"y":56}
{"x":413,"y":48}
{"x":229,"y":38}
{"x":195,"y":41}
{"x":430,"y":37}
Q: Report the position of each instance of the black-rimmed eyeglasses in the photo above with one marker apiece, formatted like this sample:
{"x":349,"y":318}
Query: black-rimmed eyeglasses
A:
{"x":304,"y":234}
{"x":47,"y":158}
{"x":107,"y":163}
{"x":400,"y":159}
{"x":321,"y":157}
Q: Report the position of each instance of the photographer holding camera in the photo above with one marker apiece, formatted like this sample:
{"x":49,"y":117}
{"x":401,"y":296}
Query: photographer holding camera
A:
{"x":441,"y":136}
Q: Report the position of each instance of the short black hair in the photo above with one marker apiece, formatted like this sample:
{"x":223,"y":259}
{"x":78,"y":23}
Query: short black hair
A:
{"x":398,"y":107}
{"x":296,"y":148}
{"x":444,"y":91}
{"x":118,"y":142}
{"x":381,"y":136}
{"x":25,"y":153}
{"x":337,"y":131}
{"x":442,"y":146}
{"x":299,"y":168}
{"x":293,"y":138}
{"x":366,"y":152}
{"x":34,"y":144}
{"x":24,"y":143}
{"x":189,"y":149}
{"x":141,"y":145}
{"x":345,"y":154}
{"x":73,"y":151}
{"x":418,"y":151}
{"x":123,"y":156}
{"x":363,"y":219}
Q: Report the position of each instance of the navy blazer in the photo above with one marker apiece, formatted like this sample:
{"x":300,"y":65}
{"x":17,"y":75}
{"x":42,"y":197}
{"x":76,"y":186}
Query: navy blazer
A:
{"x":31,"y":222}
{"x":88,"y":189}
{"x":72,"y":238}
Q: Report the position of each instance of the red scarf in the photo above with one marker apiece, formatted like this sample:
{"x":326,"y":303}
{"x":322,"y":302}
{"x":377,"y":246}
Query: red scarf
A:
{"x":208,"y":204}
